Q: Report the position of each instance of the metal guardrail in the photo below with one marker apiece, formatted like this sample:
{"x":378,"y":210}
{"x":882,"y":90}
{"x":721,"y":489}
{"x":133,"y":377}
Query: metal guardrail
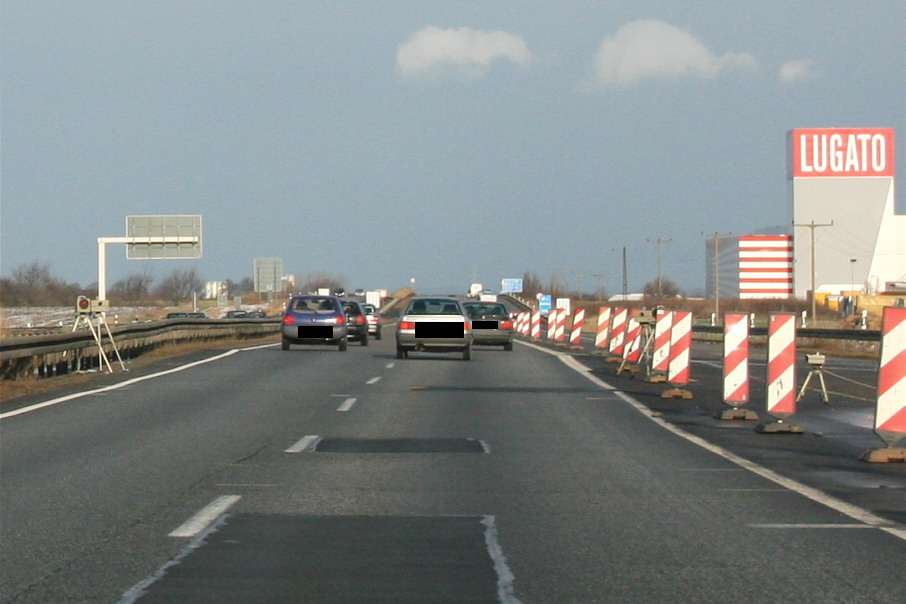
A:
{"x":62,"y":352}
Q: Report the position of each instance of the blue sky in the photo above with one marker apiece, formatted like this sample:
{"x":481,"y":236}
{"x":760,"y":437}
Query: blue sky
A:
{"x":444,"y":141}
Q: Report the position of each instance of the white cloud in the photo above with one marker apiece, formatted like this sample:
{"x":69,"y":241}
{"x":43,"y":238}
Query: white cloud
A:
{"x":652,"y":49}
{"x":798,"y":69}
{"x":464,"y":51}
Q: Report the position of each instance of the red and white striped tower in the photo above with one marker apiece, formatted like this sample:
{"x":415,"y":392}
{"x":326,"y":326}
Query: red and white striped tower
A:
{"x":602,"y":329}
{"x":552,"y":323}
{"x":680,"y":354}
{"x":736,"y":367}
{"x":618,"y":331}
{"x":660,"y":358}
{"x":780,"y":389}
{"x":575,"y":336}
{"x":560,"y":334}
{"x":890,"y":413}
{"x":536,"y":325}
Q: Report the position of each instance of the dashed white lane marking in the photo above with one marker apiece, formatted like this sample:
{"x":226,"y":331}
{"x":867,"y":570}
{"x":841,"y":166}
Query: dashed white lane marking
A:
{"x":307,"y":443}
{"x":207,"y":515}
{"x":374,"y":380}
{"x":347,"y":404}
{"x":811,"y":526}
{"x":853,"y":511}
{"x":391,"y":365}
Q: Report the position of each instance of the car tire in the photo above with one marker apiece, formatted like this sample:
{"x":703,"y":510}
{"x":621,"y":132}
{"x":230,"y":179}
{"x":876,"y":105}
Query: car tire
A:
{"x":377,"y":336}
{"x":401,"y":353}
{"x":284,"y":344}
{"x":365,"y":339}
{"x":342,"y":345}
{"x":467,"y":354}
{"x":508,"y":346}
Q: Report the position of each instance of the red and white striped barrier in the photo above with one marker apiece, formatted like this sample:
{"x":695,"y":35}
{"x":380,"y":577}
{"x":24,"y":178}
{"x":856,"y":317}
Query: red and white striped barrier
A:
{"x":524,"y":323}
{"x":575,"y":336}
{"x":781,"y":383}
{"x":680,"y":348}
{"x":552,"y":323}
{"x":660,"y":358}
{"x":736,"y":358}
{"x":602,"y":329}
{"x":618,"y":331}
{"x":560,"y":334}
{"x":890,"y":412}
{"x":536,"y":325}
{"x":632,"y":351}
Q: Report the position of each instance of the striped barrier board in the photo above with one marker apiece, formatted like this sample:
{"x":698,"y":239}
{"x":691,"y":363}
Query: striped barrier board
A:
{"x":552,"y":323}
{"x":660,"y":358}
{"x":736,"y":358}
{"x":680,"y":348}
{"x":602,"y":329}
{"x":890,"y":413}
{"x":575,"y":336}
{"x":780,"y":388}
{"x":633,"y":348}
{"x":618,"y":330}
{"x":536,"y":325}
{"x":560,"y":333}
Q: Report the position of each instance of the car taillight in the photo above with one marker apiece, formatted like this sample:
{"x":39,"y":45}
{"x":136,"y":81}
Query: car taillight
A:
{"x":466,"y":327}
{"x":407,"y":325}
{"x":341,"y":320}
{"x":288,"y":320}
{"x":506,"y":325}
{"x":360,"y":319}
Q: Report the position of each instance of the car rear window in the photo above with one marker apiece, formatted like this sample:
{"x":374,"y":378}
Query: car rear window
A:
{"x":487,"y":310}
{"x":313,"y":305}
{"x":433,"y":307}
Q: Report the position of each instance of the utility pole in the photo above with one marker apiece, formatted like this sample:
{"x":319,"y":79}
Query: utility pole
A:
{"x":812,"y":226}
{"x":580,"y":274}
{"x":716,"y":237}
{"x":659,"y":241}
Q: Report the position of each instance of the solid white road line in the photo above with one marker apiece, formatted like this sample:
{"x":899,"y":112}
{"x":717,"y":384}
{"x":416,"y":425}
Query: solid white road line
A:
{"x":505,"y":590}
{"x":347,"y":405}
{"x":205,"y":516}
{"x":76,"y":395}
{"x":853,"y":511}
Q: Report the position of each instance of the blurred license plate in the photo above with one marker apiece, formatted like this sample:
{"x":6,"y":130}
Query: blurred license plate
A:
{"x":484,"y":324}
{"x":315,"y":331}
{"x":445,"y":329}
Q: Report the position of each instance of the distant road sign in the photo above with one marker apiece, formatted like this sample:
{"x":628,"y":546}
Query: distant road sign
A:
{"x":268,"y":274}
{"x":511,"y":286}
{"x":545,"y":303}
{"x":163,"y":237}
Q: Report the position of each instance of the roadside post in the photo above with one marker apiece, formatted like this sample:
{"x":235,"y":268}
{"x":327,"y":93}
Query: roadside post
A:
{"x":780,"y":399}
{"x":680,"y":355}
{"x":660,"y":357}
{"x":736,"y":367}
{"x":602,"y":329}
{"x":633,"y":348}
{"x":890,"y":411}
{"x":618,"y":334}
{"x":575,"y":335}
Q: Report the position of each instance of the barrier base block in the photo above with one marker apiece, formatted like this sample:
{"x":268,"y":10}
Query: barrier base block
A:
{"x":613,"y":360}
{"x":885,"y":455}
{"x":736,"y":413}
{"x":778,"y":427}
{"x":599,"y":353}
{"x":676,"y":393}
{"x":656,"y":378}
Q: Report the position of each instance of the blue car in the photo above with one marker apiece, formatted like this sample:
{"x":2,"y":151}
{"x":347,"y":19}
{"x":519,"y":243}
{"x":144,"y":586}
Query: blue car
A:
{"x":312,"y":319}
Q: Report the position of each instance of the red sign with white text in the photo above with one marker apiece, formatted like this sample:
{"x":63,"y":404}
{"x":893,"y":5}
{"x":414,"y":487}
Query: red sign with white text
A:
{"x":841,"y":152}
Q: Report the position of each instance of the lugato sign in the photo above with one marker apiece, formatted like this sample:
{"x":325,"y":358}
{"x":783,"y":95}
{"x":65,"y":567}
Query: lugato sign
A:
{"x":841,"y":152}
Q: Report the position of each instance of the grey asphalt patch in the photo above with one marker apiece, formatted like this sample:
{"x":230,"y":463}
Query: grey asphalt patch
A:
{"x":326,"y":559}
{"x":400,"y":445}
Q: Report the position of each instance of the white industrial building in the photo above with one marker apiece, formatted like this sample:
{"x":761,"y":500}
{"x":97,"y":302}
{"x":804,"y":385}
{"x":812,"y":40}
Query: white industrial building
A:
{"x":843,"y":200}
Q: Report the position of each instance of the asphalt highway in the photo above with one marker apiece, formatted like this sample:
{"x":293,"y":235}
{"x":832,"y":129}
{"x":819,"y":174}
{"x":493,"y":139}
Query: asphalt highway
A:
{"x":536,"y":475}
